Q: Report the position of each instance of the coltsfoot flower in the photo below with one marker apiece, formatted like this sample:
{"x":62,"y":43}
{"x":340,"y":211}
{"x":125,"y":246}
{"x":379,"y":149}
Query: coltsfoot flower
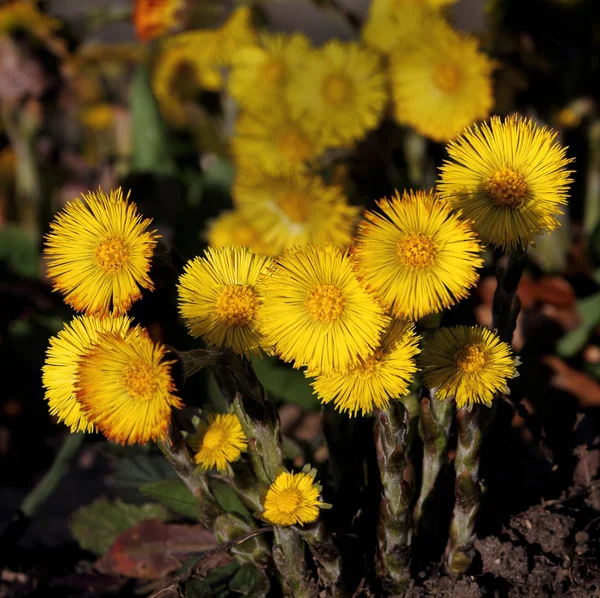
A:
{"x":468,"y":364}
{"x":316,"y":314}
{"x":293,"y":499}
{"x":99,"y":252}
{"x":374,"y":381}
{"x":219,"y":298}
{"x":416,"y":255}
{"x":153,"y":18}
{"x":509,"y":178}
{"x":220,"y":441}
{"x":65,"y":353}
{"x":125,"y":388}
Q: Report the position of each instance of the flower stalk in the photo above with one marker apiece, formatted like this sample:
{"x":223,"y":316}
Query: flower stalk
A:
{"x":395,"y":522}
{"x":460,"y":551}
{"x":288,"y":554}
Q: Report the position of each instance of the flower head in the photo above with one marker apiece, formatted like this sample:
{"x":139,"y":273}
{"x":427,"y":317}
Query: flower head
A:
{"x":372,"y":382}
{"x":509,"y":178}
{"x":232,"y":228}
{"x":468,"y":364}
{"x":315,"y":312}
{"x":219,"y":298}
{"x":154,"y":18}
{"x":292,"y":499}
{"x":65,"y":353}
{"x":260,"y":73}
{"x":125,"y":388}
{"x":293,"y":210}
{"x":98,"y":253}
{"x":442,"y":83}
{"x":273,"y":141}
{"x":220,"y":441}
{"x":340,"y":93}
{"x":416,"y":255}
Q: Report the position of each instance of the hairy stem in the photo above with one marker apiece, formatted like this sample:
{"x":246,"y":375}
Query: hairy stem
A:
{"x":288,"y":554}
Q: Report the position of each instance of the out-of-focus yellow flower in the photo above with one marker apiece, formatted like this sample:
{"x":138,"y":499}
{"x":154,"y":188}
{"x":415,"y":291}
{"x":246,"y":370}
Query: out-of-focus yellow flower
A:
{"x":220,"y":296}
{"x":293,"y":210}
{"x":232,"y":228}
{"x":220,"y":441}
{"x":340,"y":93}
{"x":316,"y":314}
{"x":416,"y":255}
{"x":292,"y":499}
{"x":509,"y":178}
{"x":374,"y":381}
{"x":99,"y":117}
{"x":442,"y":83}
{"x":154,"y":18}
{"x":272,"y":140}
{"x":24,"y":15}
{"x":65,"y":353}
{"x":98,"y":253}
{"x":260,"y":73}
{"x":125,"y":388}
{"x":468,"y":364}
{"x":395,"y":24}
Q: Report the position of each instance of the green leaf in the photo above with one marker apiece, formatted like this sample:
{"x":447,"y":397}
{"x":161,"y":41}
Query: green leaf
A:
{"x":96,"y":526}
{"x":250,"y":582}
{"x":589,"y":312}
{"x":19,"y":250}
{"x":228,"y":500}
{"x":285,"y":383}
{"x":174,"y":494}
{"x":151,"y":144}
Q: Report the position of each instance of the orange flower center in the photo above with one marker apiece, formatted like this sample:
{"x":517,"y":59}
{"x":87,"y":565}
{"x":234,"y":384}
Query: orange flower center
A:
{"x":294,"y":146}
{"x":237,"y":305}
{"x":112,"y":255}
{"x":273,"y":71}
{"x":215,"y":436}
{"x":288,"y":500}
{"x":294,"y":205}
{"x":447,"y":77}
{"x":141,"y":380}
{"x":507,"y":188}
{"x":325,"y":303}
{"x":337,"y":89}
{"x":368,"y":366}
{"x":417,"y":251}
{"x":470,"y":359}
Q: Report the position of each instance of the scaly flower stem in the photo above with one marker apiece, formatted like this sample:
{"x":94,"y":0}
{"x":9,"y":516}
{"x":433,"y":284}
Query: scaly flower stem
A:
{"x":174,"y":449}
{"x":434,"y":428}
{"x":459,"y":552}
{"x":395,"y":523}
{"x":288,"y":554}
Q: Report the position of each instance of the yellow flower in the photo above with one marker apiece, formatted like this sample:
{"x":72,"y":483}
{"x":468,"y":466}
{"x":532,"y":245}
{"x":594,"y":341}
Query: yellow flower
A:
{"x":260,"y":74}
{"x":393,"y":24}
{"x":468,"y":364}
{"x":154,"y":18}
{"x":98,"y":117}
{"x":232,"y":228}
{"x":373,"y":382}
{"x":219,"y":298}
{"x":65,"y":353}
{"x":125,"y":388}
{"x":442,"y":83}
{"x":316,"y":314}
{"x":292,"y":499}
{"x":416,"y":255}
{"x":509,"y":178}
{"x":340,"y":93}
{"x":220,"y":441}
{"x":294,"y":210}
{"x":272,"y":140}
{"x":98,"y":253}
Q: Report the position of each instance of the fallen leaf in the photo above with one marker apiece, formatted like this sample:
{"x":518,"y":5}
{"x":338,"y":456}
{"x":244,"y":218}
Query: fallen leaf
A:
{"x":584,"y":388}
{"x":153,"y":549}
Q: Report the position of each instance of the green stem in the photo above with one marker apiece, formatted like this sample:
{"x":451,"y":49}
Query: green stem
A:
{"x":60,"y":466}
{"x":174,"y":449}
{"x":460,"y":551}
{"x":394,"y":532}
{"x":288,"y":554}
{"x":591,"y":214}
{"x":434,"y":428}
